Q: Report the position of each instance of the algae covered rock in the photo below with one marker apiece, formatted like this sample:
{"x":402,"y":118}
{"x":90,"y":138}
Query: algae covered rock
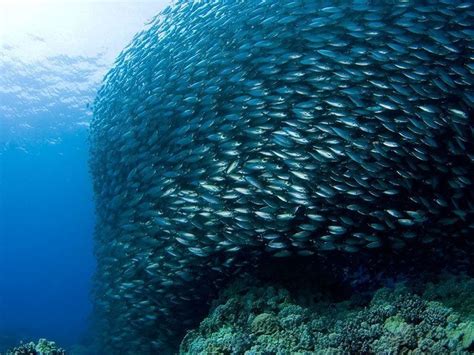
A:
{"x":397,"y":320}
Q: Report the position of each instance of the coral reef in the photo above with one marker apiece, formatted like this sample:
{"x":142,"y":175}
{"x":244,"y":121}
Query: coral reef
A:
{"x":42,"y":347}
{"x":251,"y":317}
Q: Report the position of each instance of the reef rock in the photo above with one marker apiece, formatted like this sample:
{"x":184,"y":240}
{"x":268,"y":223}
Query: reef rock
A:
{"x":254,"y":318}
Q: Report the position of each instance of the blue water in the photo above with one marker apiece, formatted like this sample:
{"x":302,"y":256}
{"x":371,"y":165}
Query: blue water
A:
{"x":46,"y":248}
{"x":52,"y":60}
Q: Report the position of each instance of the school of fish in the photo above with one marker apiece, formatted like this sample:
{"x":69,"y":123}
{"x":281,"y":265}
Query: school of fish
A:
{"x":229,"y":130}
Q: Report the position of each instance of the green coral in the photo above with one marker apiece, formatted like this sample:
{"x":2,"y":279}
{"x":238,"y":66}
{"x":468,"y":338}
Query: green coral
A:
{"x":42,"y":347}
{"x":456,"y":292}
{"x":264,"y":323}
{"x":255,"y":318}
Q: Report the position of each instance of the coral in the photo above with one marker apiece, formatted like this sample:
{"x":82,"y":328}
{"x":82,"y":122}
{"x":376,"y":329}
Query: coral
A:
{"x":456,"y":292}
{"x":42,"y":347}
{"x":264,"y":323}
{"x":255,"y":317}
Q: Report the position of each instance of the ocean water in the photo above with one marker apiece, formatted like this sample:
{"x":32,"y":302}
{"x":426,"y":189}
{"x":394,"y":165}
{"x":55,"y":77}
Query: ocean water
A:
{"x":248,"y":176}
{"x":46,"y":246}
{"x":53,"y":56}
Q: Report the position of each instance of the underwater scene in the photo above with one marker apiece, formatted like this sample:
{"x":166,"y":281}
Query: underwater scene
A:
{"x":237,"y":177}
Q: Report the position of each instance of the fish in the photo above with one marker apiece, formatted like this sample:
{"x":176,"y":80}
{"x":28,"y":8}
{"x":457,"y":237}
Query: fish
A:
{"x":227,"y":132}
